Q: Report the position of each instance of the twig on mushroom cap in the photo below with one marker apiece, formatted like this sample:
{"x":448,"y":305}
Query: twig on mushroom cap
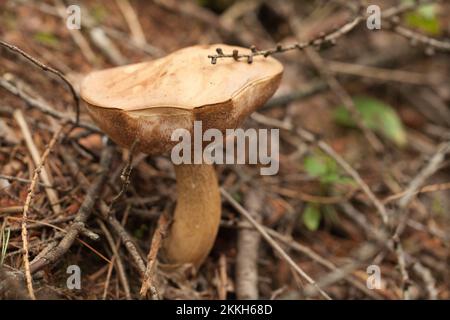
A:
{"x":325,"y":39}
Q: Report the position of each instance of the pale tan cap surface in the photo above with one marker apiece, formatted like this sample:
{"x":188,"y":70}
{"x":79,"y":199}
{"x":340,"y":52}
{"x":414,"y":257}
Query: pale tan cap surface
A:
{"x":185,"y":79}
{"x":148,"y":100}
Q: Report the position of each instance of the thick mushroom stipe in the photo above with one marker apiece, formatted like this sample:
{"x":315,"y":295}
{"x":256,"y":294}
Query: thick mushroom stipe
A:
{"x":144,"y":103}
{"x":191,"y":225}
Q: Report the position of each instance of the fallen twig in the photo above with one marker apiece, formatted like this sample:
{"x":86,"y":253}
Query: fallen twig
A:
{"x":158,"y":236}
{"x":273,"y":243}
{"x":37,"y":171}
{"x":82,"y":215}
{"x":51,"y":70}
{"x":247,"y":250}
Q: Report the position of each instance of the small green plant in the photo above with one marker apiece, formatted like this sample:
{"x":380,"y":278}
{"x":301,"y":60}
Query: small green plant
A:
{"x":46,"y":38}
{"x":377,"y":116}
{"x":326,"y":170}
{"x":312,"y":216}
{"x":424,"y":18}
{"x":99,"y":13}
{"x":4,"y":240}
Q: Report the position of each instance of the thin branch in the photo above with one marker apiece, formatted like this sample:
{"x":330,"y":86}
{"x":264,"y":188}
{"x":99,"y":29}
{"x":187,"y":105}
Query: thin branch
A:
{"x":432,"y":166}
{"x":416,"y":37}
{"x":158,"y":236}
{"x":34,"y":152}
{"x":272,"y":242}
{"x":51,"y":70}
{"x":26,"y":206}
{"x":82,"y":216}
{"x":323,"y":40}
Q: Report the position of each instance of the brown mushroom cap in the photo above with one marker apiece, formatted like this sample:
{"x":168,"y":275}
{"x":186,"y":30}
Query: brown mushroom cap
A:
{"x":148,"y":101}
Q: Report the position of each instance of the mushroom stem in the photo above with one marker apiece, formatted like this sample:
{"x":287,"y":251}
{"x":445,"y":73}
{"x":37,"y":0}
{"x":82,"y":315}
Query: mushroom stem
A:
{"x":196,"y":217}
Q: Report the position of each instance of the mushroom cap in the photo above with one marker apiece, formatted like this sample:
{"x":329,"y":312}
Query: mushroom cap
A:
{"x":147,"y":101}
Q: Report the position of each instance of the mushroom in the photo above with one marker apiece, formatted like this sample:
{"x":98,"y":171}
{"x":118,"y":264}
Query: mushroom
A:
{"x":143,"y":103}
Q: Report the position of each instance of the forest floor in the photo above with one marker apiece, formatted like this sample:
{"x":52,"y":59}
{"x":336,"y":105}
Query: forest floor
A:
{"x":341,"y":176}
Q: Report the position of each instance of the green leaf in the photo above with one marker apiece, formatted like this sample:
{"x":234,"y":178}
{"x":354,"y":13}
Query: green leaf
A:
{"x":377,"y":116}
{"x":424,"y":18}
{"x":312,"y":216}
{"x":46,"y":38}
{"x":325,"y":169}
{"x":99,"y":13}
{"x":315,"y":166}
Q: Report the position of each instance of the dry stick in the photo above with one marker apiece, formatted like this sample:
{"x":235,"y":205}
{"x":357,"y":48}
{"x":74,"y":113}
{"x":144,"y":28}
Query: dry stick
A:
{"x":321,"y":260}
{"x":23,"y":180}
{"x":429,"y":188}
{"x":26,"y":206}
{"x":89,"y":23}
{"x":110,"y":267}
{"x":415,"y":37}
{"x":365,"y":252}
{"x":432,"y":166}
{"x":76,"y":35}
{"x":352,"y":172}
{"x":247,"y":250}
{"x":318,"y":86}
{"x":116,"y":259}
{"x":83,"y":213}
{"x":43,"y":106}
{"x":412,"y":189}
{"x":101,"y":40}
{"x":382,"y":238}
{"x":44,"y":175}
{"x":128,"y":243}
{"x":222,"y":282}
{"x":133,"y":22}
{"x":51,"y":70}
{"x":108,"y":277}
{"x":83,"y":181}
{"x":427,"y":277}
{"x":336,"y":87}
{"x":381,"y":74}
{"x":317,"y":42}
{"x":272,"y":242}
{"x":115,"y":224}
{"x":401,"y":260}
{"x":158,"y":236}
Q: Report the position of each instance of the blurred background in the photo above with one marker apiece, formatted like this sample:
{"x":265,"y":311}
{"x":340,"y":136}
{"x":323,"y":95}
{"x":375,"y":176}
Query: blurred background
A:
{"x":365,"y":134}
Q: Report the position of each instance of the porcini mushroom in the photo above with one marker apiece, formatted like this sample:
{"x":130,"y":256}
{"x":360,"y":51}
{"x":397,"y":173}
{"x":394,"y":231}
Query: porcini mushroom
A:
{"x":146,"y":102}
